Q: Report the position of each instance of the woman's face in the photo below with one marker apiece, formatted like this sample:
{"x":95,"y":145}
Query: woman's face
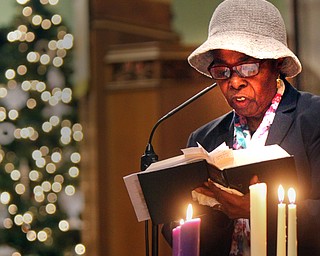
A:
{"x":248,"y":96}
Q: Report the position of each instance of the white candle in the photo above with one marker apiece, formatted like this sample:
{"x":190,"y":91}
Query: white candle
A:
{"x":292,"y":223}
{"x":281,"y":227}
{"x":258,"y":219}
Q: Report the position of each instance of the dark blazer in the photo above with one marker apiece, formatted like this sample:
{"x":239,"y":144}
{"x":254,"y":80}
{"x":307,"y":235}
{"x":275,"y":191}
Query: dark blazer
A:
{"x":296,"y":128}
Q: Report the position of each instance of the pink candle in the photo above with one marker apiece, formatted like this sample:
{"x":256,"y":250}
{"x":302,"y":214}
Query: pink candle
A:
{"x":176,"y":233}
{"x":190,"y":235}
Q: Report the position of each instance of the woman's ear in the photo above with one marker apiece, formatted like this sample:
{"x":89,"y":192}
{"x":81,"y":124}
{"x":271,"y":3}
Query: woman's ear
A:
{"x":280,"y":63}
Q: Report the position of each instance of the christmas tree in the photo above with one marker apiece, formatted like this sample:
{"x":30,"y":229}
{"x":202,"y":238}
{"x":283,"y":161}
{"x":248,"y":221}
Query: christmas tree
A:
{"x":40,"y":198}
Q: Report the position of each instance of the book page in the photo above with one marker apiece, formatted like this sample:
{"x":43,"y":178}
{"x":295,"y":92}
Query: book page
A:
{"x":136,"y":196}
{"x":163,"y":164}
{"x":189,"y":155}
{"x":258,"y":154}
{"x":222,"y":156}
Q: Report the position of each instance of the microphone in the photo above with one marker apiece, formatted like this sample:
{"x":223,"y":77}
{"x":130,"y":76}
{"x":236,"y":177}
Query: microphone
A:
{"x":149,"y":155}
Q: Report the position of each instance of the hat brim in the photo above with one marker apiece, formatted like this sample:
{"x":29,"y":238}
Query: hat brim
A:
{"x":257,"y":46}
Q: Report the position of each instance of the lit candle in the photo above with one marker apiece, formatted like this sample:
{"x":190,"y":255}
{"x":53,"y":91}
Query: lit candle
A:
{"x":258,"y":219}
{"x":292,"y":223}
{"x":281,"y":232}
{"x":176,"y":233}
{"x":190,"y":235}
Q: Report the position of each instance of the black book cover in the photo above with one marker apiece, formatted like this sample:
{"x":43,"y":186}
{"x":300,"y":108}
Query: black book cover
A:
{"x":167,"y":192}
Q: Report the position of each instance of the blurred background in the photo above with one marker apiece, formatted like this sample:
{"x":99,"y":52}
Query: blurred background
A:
{"x":82,"y":83}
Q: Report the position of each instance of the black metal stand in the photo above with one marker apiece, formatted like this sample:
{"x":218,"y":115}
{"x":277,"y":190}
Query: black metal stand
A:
{"x":155,"y":240}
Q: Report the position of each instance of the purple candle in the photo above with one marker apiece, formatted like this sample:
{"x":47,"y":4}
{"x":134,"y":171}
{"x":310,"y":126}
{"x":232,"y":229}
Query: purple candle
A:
{"x":176,"y":232}
{"x":190,"y":235}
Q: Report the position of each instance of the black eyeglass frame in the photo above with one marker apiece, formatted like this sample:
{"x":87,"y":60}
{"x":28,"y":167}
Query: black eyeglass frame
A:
{"x":231,"y":68}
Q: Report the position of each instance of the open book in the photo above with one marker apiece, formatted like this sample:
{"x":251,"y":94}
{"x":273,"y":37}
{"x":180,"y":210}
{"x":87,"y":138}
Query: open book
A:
{"x":163,"y":190}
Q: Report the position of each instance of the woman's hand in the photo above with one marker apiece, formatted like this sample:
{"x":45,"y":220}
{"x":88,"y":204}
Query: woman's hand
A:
{"x":235,"y":206}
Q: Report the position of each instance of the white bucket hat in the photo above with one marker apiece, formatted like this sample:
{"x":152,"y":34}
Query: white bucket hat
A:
{"x":252,"y":27}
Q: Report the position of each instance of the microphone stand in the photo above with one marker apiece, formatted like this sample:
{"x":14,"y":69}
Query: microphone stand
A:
{"x":150,"y":157}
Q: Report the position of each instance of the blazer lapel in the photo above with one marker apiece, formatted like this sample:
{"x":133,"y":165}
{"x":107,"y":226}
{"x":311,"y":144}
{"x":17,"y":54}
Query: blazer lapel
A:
{"x":279,"y":128}
{"x":284,"y":116}
{"x":227,"y":136}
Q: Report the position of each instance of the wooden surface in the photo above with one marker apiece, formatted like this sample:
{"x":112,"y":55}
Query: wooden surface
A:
{"x":117,"y":119}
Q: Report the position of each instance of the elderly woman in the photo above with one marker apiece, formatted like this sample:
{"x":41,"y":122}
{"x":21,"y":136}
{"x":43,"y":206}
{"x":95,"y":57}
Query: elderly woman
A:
{"x":246,"y":53}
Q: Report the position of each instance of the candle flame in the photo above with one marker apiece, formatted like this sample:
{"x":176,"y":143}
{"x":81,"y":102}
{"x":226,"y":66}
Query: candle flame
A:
{"x":292,"y":195}
{"x":281,"y":193}
{"x":189,"y":212}
{"x":181,"y":222}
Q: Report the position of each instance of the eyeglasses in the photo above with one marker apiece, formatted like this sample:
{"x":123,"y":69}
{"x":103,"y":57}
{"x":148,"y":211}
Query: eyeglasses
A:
{"x":243,"y":70}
